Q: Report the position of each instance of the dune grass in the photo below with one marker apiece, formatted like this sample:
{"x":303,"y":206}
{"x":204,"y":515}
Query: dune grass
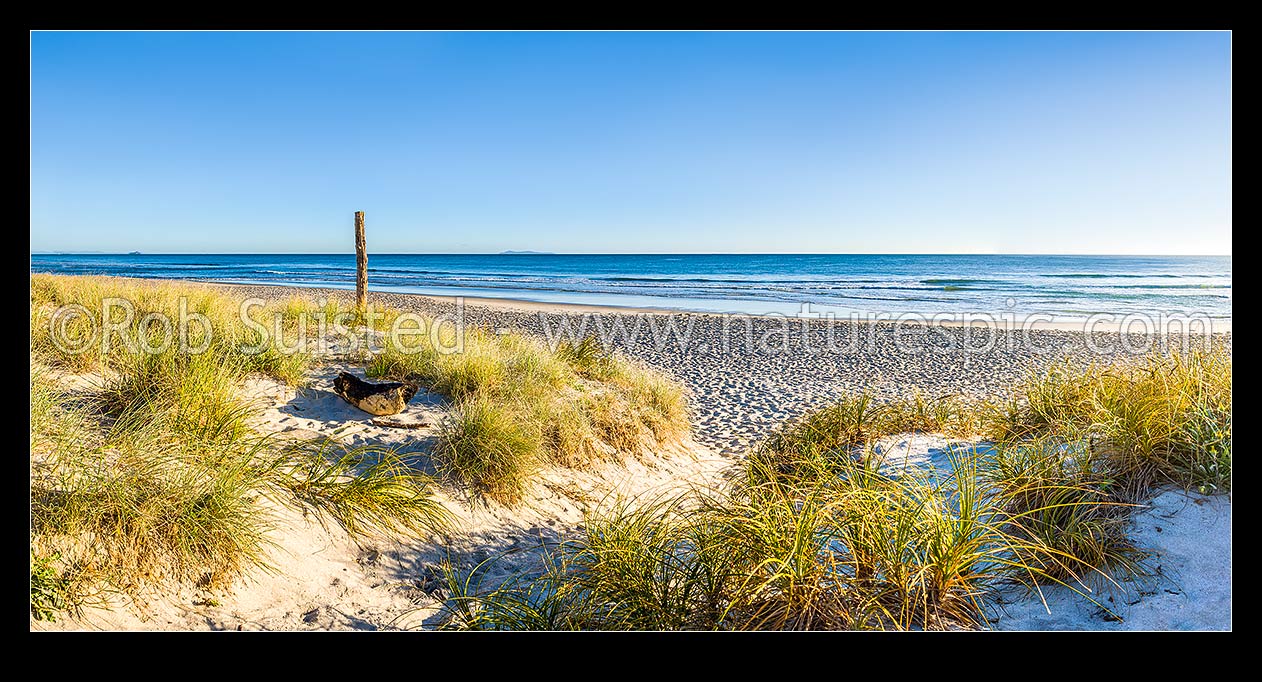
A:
{"x":518,"y":406}
{"x":812,"y":447}
{"x":140,"y":345}
{"x":816,"y":533}
{"x":129,"y":506}
{"x":866,"y":550}
{"x":1163,"y":420}
{"x":1065,"y":498}
{"x":156,"y":476}
{"x":159,"y":479}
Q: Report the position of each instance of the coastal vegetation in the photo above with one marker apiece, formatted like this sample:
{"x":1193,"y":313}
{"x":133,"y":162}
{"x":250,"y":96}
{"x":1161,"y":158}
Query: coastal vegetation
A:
{"x":818,"y":530}
{"x":518,"y":406}
{"x":146,"y":469}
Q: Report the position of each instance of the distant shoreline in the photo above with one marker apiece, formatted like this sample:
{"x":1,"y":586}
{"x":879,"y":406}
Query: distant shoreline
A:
{"x":1052,"y":292}
{"x":619,"y":253}
{"x":1218,"y":325}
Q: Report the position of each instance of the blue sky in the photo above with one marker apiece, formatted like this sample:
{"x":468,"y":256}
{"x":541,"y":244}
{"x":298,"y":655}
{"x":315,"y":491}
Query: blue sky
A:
{"x":632,"y":142}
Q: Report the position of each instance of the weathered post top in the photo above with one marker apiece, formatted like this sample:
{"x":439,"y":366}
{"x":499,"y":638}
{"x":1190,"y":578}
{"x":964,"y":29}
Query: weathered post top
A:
{"x":361,"y":263}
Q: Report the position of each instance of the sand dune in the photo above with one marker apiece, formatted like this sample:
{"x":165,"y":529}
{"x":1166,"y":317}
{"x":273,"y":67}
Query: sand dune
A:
{"x":321,"y":579}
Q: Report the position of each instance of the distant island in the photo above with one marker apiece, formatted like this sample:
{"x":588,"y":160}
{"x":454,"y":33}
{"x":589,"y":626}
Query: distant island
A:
{"x":527,"y":253}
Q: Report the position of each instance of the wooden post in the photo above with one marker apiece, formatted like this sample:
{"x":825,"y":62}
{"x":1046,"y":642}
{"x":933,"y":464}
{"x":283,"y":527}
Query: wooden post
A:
{"x":361,"y":264}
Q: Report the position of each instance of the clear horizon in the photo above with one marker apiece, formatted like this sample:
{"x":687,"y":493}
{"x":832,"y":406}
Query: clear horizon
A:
{"x":951,"y":143}
{"x":607,"y":253}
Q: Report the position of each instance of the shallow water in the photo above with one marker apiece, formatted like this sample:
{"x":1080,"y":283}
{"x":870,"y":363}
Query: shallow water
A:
{"x":1062,"y":287}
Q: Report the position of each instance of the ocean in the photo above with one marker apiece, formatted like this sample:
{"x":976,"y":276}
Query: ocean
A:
{"x":1066,"y":288}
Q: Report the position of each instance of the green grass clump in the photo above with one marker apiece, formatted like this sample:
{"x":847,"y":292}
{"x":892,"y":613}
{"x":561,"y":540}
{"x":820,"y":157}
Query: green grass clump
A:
{"x":50,"y":593}
{"x":588,"y":359}
{"x":1163,"y":420}
{"x":517,"y":406}
{"x":866,"y":550}
{"x":365,"y":490}
{"x":814,"y":532}
{"x":489,"y":448}
{"x":157,"y":477}
{"x":230,"y":340}
{"x":141,"y":503}
{"x":813,"y":446}
{"x":1063,"y":496}
{"x":140,"y":517}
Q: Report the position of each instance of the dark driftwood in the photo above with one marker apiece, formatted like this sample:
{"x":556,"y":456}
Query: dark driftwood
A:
{"x":379,"y":399}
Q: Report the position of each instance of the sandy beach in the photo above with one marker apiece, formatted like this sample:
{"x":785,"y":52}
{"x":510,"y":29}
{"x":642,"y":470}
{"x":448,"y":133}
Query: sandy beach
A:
{"x":323,"y":579}
{"x":630,"y":331}
{"x":743,"y":387}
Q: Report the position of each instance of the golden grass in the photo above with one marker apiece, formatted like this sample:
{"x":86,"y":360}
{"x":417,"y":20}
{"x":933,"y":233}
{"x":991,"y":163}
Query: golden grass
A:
{"x":815,"y":533}
{"x":1163,"y":420}
{"x":518,"y":406}
{"x":157,"y":477}
{"x":866,"y":550}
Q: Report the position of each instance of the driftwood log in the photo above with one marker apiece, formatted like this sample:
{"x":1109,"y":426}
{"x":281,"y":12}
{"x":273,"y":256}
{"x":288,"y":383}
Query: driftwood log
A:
{"x":378,"y":399}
